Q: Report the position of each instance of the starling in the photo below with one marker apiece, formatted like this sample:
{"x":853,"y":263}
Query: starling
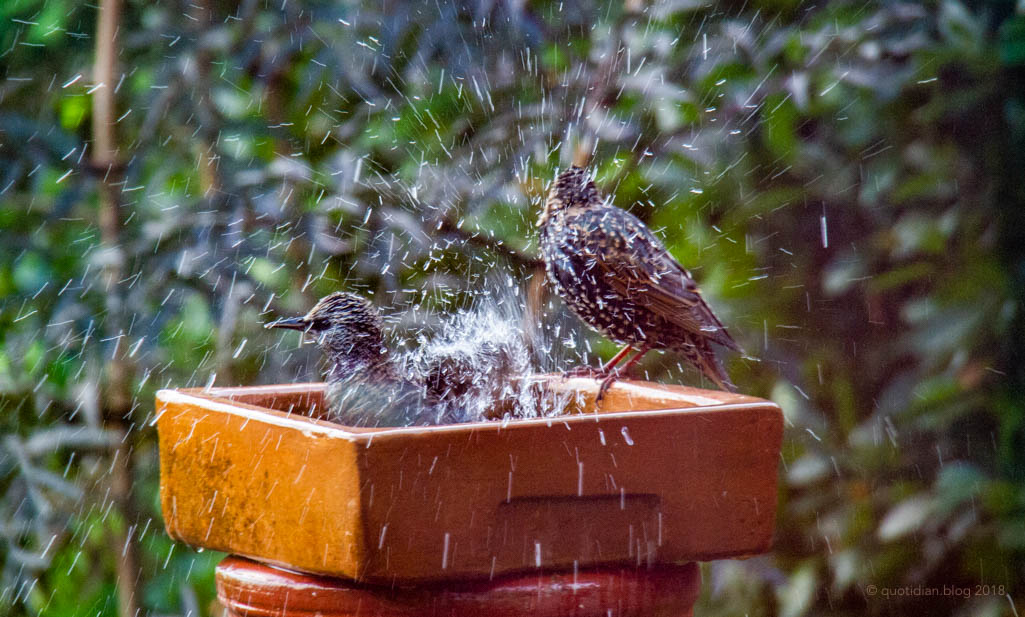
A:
{"x":445,"y":381}
{"x":620,"y":280}
{"x":349,"y":331}
{"x":365,"y":384}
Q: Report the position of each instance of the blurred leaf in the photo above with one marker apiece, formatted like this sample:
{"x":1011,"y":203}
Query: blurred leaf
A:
{"x":907,"y":517}
{"x":809,"y":469}
{"x":958,"y":483}
{"x":959,"y":26}
{"x":796,"y":596}
{"x":1012,"y":41}
{"x":846,"y":569}
{"x":73,"y":111}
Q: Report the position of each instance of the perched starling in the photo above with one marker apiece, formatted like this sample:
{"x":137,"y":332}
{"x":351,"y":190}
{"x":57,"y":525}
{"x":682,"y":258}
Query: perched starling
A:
{"x":620,"y":280}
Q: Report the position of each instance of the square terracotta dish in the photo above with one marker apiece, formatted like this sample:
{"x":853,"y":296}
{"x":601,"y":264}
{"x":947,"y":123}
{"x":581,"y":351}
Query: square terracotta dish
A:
{"x":661,"y":474}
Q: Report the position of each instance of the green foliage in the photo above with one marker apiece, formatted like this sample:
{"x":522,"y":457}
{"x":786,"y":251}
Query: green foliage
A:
{"x":843,"y":179}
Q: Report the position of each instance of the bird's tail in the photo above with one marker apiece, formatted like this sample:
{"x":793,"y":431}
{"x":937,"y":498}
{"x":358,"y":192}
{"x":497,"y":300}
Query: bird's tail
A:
{"x":700,"y":354}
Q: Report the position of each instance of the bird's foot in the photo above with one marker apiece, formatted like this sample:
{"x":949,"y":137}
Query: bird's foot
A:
{"x":607,"y":377}
{"x":605,"y":384}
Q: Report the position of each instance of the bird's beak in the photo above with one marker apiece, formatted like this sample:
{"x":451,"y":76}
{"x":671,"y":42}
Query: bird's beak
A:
{"x":289,"y":323}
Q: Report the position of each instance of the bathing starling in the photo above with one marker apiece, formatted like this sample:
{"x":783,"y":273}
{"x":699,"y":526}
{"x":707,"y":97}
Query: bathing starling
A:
{"x":365,"y":384}
{"x":349,"y":331}
{"x":370,"y":385}
{"x":620,"y":280}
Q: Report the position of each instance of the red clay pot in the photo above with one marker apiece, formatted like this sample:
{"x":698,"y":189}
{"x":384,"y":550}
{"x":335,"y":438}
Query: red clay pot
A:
{"x":250,"y":589}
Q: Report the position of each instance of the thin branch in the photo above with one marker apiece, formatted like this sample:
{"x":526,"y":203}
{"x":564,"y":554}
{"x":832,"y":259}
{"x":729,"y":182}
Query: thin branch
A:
{"x":449,"y":228}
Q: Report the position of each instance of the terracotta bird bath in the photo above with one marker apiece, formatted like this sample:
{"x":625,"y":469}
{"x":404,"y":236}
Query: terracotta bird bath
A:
{"x":579,"y":514}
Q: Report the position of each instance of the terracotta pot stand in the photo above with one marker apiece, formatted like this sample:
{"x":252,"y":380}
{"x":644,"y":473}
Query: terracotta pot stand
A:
{"x":584,"y":515}
{"x":250,"y":589}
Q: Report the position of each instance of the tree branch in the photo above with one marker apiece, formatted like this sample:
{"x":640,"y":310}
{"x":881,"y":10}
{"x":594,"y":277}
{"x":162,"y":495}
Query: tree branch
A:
{"x":449,"y":228}
{"x":118,"y":394}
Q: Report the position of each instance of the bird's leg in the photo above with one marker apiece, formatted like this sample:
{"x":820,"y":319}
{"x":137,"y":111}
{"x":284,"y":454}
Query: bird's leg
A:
{"x":632,"y":361}
{"x":588,"y":371}
{"x":616,"y":359}
{"x":614,"y":373}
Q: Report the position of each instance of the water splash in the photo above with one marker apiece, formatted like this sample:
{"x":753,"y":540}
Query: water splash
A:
{"x":480,"y":364}
{"x":485,"y":362}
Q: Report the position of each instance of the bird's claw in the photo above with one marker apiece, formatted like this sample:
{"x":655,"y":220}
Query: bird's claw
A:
{"x":605,"y":384}
{"x":607,"y":378}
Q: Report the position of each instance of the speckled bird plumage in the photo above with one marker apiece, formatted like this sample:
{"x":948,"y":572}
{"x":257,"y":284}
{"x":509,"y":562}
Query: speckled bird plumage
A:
{"x":349,"y":329}
{"x":620,"y":280}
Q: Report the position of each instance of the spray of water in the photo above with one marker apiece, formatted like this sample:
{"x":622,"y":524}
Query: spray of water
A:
{"x":482,"y":366}
{"x":476,"y":364}
{"x":355,"y":402}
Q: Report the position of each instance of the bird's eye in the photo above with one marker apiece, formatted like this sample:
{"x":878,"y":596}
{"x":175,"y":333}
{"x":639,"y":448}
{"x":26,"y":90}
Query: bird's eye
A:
{"x":319,"y":324}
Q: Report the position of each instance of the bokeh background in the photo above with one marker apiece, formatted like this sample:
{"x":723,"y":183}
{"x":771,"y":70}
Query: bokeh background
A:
{"x":845,"y":179}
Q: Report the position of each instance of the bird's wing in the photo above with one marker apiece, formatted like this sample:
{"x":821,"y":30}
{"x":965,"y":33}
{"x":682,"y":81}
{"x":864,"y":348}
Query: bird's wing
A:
{"x":644,"y":271}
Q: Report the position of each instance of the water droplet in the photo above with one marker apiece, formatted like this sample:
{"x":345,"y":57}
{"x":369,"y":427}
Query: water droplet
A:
{"x":626,"y":436}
